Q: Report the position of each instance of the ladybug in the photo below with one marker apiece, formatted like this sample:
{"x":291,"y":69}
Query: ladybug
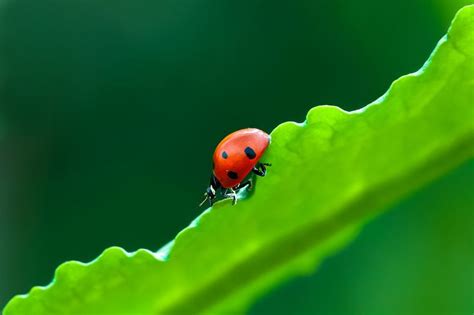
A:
{"x":235,"y":158}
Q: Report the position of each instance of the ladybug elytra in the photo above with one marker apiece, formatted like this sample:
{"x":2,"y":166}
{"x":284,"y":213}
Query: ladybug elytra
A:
{"x":235,"y":157}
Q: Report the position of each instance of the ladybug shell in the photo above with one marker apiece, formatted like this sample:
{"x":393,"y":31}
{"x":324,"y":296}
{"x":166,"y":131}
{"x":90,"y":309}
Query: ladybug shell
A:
{"x":237,"y":154}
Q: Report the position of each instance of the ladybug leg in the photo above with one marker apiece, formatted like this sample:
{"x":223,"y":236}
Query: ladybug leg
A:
{"x":230,"y":193}
{"x":257,"y":171}
{"x":260,"y":169}
{"x":247,"y":184}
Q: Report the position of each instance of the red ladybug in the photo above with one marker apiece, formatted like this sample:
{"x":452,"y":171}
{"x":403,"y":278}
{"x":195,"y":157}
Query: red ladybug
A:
{"x":235,"y":157}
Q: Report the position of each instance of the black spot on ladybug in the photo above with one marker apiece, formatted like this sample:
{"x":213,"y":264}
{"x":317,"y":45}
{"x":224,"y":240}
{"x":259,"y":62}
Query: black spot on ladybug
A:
{"x":250,"y":153}
{"x":232,"y":175}
{"x":224,"y":155}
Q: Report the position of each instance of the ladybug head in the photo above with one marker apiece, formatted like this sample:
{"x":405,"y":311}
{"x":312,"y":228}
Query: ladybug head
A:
{"x":210,"y":195}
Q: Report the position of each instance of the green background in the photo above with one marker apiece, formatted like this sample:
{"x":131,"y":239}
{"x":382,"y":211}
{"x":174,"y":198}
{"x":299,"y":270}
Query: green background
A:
{"x":110,"y":111}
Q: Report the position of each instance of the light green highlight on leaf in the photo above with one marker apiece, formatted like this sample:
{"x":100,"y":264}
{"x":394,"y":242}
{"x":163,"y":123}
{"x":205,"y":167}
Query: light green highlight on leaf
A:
{"x":329,"y":176}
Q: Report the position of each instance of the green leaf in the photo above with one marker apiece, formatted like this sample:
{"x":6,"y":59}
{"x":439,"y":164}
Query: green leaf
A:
{"x":330,"y":175}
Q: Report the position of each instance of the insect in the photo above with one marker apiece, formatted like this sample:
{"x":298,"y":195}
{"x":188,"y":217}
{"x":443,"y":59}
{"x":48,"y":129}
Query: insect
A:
{"x":235,"y":158}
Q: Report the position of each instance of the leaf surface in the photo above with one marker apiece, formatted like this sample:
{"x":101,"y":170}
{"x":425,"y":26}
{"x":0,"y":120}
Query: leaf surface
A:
{"x":330,"y":175}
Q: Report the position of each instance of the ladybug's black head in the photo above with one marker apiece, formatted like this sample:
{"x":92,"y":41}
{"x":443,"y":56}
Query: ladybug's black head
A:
{"x":210,"y":193}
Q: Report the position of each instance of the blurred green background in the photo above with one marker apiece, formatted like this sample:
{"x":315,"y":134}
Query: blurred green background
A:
{"x":110,"y":111}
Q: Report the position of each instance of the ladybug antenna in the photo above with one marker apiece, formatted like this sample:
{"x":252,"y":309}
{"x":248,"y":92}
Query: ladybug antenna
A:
{"x":206,"y":196}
